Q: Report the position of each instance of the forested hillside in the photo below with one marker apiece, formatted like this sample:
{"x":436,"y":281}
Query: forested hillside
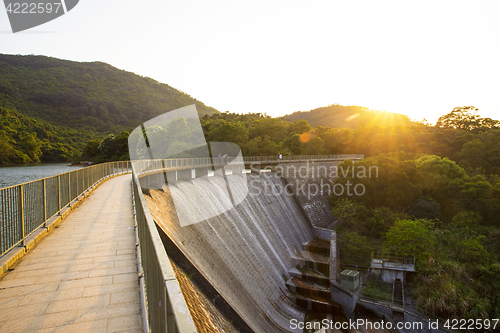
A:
{"x":73,"y":102}
{"x":435,"y":196}
{"x":339,"y":116}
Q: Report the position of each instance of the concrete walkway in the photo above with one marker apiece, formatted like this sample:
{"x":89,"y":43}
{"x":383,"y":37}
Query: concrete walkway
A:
{"x":83,"y":276}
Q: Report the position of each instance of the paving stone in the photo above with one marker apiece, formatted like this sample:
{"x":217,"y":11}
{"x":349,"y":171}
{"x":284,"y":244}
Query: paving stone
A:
{"x":30,"y":267}
{"x":51,"y":296}
{"x":10,"y":302}
{"x":62,"y":277}
{"x":124,"y":297}
{"x":47,"y":323}
{"x":113,"y":310}
{"x":115,"y":258}
{"x":125,"y":324}
{"x":25,"y":290}
{"x":98,"y":326}
{"x":18,"y":282}
{"x":70,"y":262}
{"x":110,"y":288}
{"x":25,"y":311}
{"x":126,"y":262}
{"x":112,"y":271}
{"x":126,"y":277}
{"x":43,"y":271}
{"x":78,"y":303}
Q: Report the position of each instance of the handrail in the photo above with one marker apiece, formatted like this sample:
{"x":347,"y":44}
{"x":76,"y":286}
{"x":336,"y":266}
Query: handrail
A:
{"x":24,"y":208}
{"x":151,"y":166}
{"x":166,"y":308}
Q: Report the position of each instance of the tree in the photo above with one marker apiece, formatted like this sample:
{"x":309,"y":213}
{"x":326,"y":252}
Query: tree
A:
{"x":299,"y":127}
{"x":6,"y":150}
{"x":387,"y":180}
{"x":260,"y":147}
{"x":411,"y":238}
{"x":465,"y":118}
{"x":90,"y":150}
{"x":292,"y":143}
{"x":425,"y":208}
{"x":313,"y":147}
{"x":481,"y":152}
{"x":229,"y":132}
{"x":434,"y":172}
{"x":30,"y":145}
{"x":335,"y":139}
{"x":275,"y":129}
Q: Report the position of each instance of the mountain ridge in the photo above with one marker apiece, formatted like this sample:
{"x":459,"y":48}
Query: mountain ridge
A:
{"x":39,"y":85}
{"x":351,"y":116}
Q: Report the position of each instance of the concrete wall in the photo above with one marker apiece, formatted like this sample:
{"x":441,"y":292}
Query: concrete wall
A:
{"x":346,"y":298}
{"x":386,"y":275}
{"x":334,"y":258}
{"x":246,"y":252}
{"x":312,"y":183}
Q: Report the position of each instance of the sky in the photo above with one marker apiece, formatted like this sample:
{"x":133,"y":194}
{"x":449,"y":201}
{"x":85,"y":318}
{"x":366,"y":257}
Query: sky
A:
{"x":420,"y":58}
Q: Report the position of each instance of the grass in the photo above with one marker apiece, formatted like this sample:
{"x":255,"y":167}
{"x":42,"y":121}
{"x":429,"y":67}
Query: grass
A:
{"x":378,"y":290}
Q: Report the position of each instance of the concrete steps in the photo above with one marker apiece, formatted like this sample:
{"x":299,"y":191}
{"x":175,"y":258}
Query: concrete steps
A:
{"x":309,"y":283}
{"x":308,"y":288}
{"x":308,"y":274}
{"x":318,"y":245}
{"x":316,"y":304}
{"x":398,"y":294}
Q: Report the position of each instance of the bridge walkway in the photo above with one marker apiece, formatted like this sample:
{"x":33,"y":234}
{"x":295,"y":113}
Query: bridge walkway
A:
{"x":83,"y":276}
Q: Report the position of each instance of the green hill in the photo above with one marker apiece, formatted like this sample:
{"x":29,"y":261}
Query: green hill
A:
{"x":339,"y":116}
{"x":73,"y":102}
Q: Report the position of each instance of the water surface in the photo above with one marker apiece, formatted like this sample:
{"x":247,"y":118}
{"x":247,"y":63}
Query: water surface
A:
{"x":13,"y":175}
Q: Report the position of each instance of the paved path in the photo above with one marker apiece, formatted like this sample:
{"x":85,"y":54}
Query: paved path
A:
{"x":83,"y":276}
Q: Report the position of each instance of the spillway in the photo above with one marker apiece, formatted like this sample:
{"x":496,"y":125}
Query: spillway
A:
{"x":246,"y":251}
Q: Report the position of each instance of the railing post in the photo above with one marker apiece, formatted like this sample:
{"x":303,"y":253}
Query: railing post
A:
{"x":44,"y":204}
{"x":59,"y":193}
{"x":69,"y":189}
{"x":21,"y":210}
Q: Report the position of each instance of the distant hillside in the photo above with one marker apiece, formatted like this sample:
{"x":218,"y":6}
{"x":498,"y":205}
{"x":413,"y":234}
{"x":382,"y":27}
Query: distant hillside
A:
{"x":339,"y":116}
{"x":74,"y":102}
{"x":78,"y":94}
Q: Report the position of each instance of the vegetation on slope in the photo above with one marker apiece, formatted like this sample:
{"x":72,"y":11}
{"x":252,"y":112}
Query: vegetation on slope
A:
{"x":445,"y":213}
{"x":24,"y":140}
{"x":75,"y":102}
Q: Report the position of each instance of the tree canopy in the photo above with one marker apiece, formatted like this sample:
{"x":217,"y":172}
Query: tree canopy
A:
{"x":466,"y":118}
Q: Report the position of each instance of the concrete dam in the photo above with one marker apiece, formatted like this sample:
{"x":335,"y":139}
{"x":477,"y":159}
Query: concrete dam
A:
{"x":252,"y":252}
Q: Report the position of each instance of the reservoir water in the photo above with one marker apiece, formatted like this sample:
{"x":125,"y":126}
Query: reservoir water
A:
{"x":13,"y":175}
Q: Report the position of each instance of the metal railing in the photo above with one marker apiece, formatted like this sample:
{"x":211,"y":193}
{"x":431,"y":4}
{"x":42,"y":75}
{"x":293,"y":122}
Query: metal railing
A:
{"x":303,"y":158}
{"x":166,"y":308}
{"x":26,"y":207}
{"x":146,"y":166}
{"x":386,"y":260}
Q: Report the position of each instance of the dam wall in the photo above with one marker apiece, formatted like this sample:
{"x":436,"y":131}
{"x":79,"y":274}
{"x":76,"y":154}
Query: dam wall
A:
{"x":312,"y":184}
{"x":246,"y":251}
